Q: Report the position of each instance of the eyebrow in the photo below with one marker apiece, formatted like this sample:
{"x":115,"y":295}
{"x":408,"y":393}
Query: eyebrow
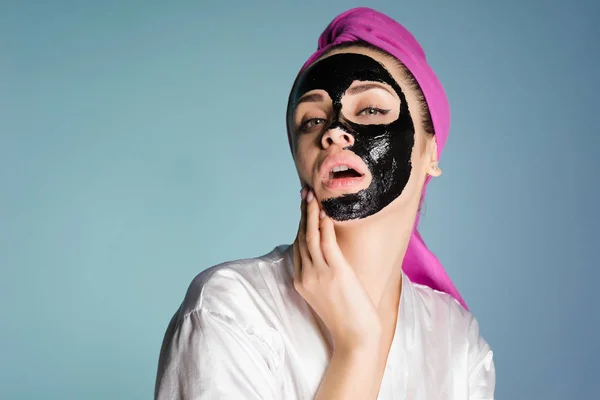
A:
{"x":360,"y":88}
{"x":363,"y":87}
{"x":311,"y":98}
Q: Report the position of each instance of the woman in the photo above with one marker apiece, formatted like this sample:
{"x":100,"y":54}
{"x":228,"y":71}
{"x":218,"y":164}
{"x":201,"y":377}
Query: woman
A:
{"x":358,"y":307}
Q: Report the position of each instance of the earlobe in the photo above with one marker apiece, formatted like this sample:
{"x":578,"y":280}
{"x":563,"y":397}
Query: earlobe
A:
{"x":433,"y":169}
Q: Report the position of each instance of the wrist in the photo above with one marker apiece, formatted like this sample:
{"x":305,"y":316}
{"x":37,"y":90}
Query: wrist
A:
{"x":364,"y":341}
{"x":367,"y":347}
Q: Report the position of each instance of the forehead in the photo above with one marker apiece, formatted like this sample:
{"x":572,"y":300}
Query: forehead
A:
{"x":336,"y":72}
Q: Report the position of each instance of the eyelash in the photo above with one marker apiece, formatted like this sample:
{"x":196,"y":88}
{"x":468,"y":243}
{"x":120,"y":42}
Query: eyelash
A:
{"x":305,"y":128}
{"x":304,"y":125}
{"x":373,"y":108}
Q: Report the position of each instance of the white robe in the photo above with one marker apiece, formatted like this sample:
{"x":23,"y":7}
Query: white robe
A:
{"x":244,"y":332}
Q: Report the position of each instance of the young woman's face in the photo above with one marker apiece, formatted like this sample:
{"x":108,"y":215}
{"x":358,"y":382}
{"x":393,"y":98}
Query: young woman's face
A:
{"x":357,"y":135}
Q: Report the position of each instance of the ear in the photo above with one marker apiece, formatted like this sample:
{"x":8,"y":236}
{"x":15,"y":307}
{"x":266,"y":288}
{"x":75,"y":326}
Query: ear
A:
{"x":433,"y":168}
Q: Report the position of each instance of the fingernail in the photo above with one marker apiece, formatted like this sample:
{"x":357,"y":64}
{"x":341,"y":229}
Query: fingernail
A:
{"x":310,"y":196}
{"x":322,"y":214}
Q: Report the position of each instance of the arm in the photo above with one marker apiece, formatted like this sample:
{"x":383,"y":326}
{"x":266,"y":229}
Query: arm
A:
{"x":483,"y":379}
{"x":207,"y":355}
{"x":328,"y":283}
{"x":482,"y":373}
{"x":351,"y":375}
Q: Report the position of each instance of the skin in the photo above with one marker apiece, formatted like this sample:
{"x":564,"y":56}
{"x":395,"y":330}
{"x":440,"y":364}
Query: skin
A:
{"x":350,"y":271}
{"x":378,"y":124}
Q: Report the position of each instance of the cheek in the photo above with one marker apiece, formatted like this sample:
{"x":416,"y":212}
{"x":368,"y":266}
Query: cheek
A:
{"x":418,"y":171}
{"x":305,"y":160}
{"x":419,"y":152}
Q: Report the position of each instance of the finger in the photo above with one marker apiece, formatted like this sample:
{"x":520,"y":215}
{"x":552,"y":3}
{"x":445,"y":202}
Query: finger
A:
{"x":313,"y":235}
{"x":305,"y":260}
{"x":297,"y":263}
{"x":302,"y":224}
{"x":297,"y":260}
{"x":331,"y":250}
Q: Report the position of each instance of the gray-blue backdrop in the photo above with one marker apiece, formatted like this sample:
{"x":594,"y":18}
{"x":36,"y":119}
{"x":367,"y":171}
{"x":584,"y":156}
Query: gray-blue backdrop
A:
{"x":142,"y":142}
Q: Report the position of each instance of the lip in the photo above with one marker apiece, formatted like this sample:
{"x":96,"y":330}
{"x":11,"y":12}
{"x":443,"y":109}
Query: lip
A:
{"x":343,"y":183}
{"x":345,"y":158}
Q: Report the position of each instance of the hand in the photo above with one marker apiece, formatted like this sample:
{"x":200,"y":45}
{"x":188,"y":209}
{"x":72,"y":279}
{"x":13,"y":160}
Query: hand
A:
{"x":328,"y":283}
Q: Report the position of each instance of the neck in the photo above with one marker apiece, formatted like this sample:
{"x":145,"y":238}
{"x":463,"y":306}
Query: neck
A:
{"x":375,"y":248}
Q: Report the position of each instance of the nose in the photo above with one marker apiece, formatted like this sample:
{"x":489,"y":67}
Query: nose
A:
{"x":336,"y":136}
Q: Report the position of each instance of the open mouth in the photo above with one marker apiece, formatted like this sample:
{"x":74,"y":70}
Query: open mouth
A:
{"x":343,"y":171}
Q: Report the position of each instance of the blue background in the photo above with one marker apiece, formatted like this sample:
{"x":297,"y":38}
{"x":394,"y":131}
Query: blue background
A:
{"x":142,"y":142}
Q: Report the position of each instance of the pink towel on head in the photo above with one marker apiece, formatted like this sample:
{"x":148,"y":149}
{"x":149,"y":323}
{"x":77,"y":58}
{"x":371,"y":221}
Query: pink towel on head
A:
{"x":379,"y":30}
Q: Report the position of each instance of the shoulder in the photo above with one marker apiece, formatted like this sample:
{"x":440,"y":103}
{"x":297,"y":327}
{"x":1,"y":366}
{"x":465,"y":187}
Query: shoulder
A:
{"x":440,"y":306}
{"x":239,"y":290}
{"x":441,"y":314}
{"x":225,"y":315}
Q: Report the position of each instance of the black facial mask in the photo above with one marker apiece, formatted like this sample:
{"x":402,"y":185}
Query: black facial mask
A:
{"x":385,"y":149}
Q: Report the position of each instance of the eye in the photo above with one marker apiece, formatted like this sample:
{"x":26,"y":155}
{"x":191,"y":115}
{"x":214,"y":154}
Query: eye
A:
{"x":309,"y":124}
{"x":371,"y":110}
